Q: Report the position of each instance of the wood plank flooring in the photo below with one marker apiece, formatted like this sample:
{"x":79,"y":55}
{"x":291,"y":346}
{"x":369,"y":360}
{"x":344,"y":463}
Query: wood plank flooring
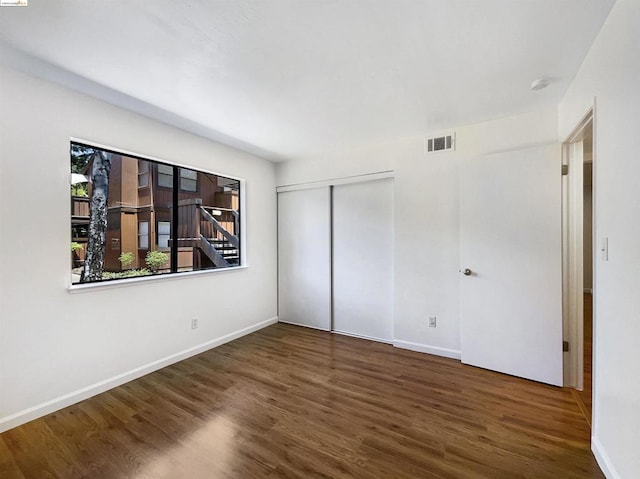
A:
{"x":584,"y":397}
{"x":290,"y":402}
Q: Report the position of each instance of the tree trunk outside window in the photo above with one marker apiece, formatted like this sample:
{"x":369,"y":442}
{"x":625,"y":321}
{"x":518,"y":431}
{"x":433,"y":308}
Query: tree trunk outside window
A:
{"x":96,"y":246}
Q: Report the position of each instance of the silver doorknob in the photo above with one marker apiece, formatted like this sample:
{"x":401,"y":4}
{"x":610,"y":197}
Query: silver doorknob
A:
{"x":466,"y":272}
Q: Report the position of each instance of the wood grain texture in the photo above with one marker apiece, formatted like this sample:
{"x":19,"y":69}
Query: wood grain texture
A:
{"x":291,"y":402}
{"x":584,"y":397}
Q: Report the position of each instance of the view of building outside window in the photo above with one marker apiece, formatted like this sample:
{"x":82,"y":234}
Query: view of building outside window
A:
{"x":128,"y":221}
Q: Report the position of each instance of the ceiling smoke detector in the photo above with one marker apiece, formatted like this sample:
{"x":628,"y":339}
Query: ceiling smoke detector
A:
{"x":539,"y":84}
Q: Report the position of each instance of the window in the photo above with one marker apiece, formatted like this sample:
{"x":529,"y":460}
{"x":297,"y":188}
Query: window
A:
{"x":148,"y":227}
{"x":164,"y":233}
{"x":165,"y":176}
{"x":143,"y":174}
{"x":143,"y":235}
{"x":188,"y":180}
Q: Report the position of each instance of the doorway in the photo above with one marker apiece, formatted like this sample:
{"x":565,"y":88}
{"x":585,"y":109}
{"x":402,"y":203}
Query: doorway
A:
{"x":585,"y":395}
{"x":578,"y":250}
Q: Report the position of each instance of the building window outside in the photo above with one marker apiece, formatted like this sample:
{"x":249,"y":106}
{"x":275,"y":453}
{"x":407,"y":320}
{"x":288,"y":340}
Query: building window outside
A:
{"x":165,"y":176}
{"x":164,"y":234}
{"x":143,"y":174}
{"x":143,"y":234}
{"x":188,"y":180}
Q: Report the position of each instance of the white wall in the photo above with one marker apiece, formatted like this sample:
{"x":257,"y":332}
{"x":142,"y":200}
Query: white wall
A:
{"x":426,"y":193}
{"x":611,"y":74}
{"x":57,"y":347}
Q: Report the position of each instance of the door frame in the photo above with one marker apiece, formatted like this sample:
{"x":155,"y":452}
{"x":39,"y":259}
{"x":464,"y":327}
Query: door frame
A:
{"x":378,"y":175}
{"x":572,"y":250}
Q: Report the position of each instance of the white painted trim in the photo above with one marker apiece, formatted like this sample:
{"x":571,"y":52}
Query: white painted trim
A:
{"x":425,"y":348}
{"x":244,"y":243}
{"x":381,"y":175}
{"x":362,"y":336}
{"x":603,"y":459}
{"x":578,"y":132}
{"x":568,"y":369}
{"x":61,"y":402}
{"x":121,"y":283}
{"x":302,"y":325}
{"x":576,"y":262}
{"x":572,"y":250}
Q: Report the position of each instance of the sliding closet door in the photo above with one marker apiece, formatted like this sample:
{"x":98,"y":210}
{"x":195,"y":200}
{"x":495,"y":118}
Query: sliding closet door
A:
{"x":304,"y":257}
{"x":363,"y":259}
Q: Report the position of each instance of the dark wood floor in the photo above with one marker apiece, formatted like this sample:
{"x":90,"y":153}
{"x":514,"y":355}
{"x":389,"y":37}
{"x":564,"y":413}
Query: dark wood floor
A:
{"x":290,"y":402}
{"x":584,"y":397}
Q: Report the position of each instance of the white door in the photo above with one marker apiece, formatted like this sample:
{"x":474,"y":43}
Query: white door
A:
{"x":304,"y":257}
{"x":574,"y":266}
{"x":510,"y":240}
{"x":363,"y":259}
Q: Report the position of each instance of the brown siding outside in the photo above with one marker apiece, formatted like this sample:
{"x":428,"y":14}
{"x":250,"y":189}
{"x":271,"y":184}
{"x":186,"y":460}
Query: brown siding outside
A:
{"x":129,"y":181}
{"x":129,"y":240}
{"x":112,"y":249}
{"x":115,"y":181}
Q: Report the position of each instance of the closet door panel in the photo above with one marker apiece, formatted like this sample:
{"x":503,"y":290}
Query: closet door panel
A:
{"x":304,"y":257}
{"x":363,"y":259}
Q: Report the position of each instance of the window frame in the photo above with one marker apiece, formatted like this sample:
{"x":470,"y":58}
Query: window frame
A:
{"x":144,"y":174}
{"x":163,"y":174}
{"x":162,"y":248}
{"x":184,"y":178}
{"x":241,"y":234}
{"x":146,"y":235}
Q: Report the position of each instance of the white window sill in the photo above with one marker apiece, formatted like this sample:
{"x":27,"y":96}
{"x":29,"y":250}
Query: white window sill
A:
{"x":121,"y":283}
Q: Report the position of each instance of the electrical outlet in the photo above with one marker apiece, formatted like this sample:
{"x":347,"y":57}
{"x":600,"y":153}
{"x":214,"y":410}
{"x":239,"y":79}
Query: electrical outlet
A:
{"x":432,"y":321}
{"x":194,"y":323}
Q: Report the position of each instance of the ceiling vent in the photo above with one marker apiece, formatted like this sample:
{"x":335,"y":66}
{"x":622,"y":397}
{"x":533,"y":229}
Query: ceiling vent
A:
{"x":440,"y":143}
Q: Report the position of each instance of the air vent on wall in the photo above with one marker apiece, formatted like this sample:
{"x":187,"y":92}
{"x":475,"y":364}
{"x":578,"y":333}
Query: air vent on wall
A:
{"x":440,"y":143}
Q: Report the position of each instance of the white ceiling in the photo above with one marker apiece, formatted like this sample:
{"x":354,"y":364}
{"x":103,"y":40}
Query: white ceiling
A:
{"x":297,"y":78}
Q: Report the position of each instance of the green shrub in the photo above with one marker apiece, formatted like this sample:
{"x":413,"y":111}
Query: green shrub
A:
{"x":156,"y":260}
{"x":75,"y":246}
{"x":79,"y":190}
{"x":126,"y":259}
{"x":130,"y":273}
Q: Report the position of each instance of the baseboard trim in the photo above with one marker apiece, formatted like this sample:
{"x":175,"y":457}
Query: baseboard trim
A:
{"x":425,"y":348}
{"x":29,"y":414}
{"x":603,"y":460}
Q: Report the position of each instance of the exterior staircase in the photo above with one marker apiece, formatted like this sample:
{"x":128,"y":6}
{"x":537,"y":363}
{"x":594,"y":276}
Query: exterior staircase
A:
{"x":224,"y":248}
{"x":221,"y":252}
